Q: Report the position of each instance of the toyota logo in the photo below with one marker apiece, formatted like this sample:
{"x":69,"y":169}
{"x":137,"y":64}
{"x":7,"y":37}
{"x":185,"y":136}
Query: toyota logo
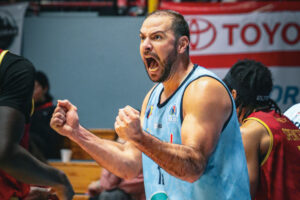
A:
{"x":202,"y":33}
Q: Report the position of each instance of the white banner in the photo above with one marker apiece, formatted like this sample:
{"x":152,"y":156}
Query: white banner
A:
{"x":11,"y":26}
{"x":268,"y":32}
{"x":244,"y":33}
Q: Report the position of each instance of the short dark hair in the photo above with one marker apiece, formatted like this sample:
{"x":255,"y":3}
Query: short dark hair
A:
{"x":42,"y":79}
{"x":253,"y":83}
{"x":179,"y":26}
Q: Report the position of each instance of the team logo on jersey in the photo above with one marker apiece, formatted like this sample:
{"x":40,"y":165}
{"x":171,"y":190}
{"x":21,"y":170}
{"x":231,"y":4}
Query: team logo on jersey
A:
{"x":159,"y":196}
{"x":281,"y":119}
{"x":149,"y":112}
{"x":157,"y":125}
{"x":172,"y":114}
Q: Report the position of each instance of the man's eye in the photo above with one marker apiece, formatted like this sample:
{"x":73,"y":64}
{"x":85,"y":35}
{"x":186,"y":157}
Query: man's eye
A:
{"x":157,"y":37}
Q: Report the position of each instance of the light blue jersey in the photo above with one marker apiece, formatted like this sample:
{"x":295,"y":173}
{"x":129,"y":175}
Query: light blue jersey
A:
{"x":225,"y":176}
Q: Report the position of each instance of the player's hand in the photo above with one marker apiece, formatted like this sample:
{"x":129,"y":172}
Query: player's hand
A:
{"x":63,"y":193}
{"x":64,"y":190}
{"x":94,"y":188}
{"x":41,"y":194}
{"x":128,"y":125}
{"x":65,"y":118}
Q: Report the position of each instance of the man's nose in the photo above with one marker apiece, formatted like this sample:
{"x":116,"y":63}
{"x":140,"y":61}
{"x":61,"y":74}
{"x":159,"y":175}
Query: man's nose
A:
{"x":146,"y":45}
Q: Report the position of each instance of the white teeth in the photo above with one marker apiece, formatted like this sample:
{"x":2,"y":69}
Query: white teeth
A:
{"x":153,"y":66}
{"x":153,"y":69}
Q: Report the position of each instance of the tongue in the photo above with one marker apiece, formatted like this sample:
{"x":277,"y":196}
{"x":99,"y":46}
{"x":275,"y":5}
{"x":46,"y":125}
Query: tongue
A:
{"x":153,"y":66}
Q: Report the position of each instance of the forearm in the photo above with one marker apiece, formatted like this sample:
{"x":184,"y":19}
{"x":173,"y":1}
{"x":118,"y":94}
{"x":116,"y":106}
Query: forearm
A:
{"x":119,"y":159}
{"x":181,"y":161}
{"x":24,"y":167}
{"x":15,"y":160}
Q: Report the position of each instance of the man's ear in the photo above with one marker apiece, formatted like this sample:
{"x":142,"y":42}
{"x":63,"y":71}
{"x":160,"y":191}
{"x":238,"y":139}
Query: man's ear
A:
{"x":183,"y":43}
{"x":234,"y":93}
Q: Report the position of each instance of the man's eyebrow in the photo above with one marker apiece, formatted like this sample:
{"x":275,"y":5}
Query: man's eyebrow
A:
{"x":155,"y":32}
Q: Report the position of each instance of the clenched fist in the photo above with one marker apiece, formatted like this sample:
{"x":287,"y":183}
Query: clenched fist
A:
{"x":65,"y":118}
{"x":128,"y":124}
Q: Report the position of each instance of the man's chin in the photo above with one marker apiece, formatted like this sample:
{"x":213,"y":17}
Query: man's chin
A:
{"x":153,"y":78}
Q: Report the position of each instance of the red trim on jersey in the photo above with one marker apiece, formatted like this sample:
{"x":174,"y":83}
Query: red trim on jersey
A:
{"x":45,"y":105}
{"x":279,"y":58}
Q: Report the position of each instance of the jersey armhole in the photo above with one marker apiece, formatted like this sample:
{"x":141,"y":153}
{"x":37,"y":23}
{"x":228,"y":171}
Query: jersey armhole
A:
{"x":271,"y":138}
{"x":2,"y":55}
{"x":231,"y":99}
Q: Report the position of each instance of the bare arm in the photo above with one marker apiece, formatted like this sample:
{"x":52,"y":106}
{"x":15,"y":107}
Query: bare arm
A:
{"x":123,"y":160}
{"x":204,"y":117}
{"x":256,"y":143}
{"x":12,"y":156}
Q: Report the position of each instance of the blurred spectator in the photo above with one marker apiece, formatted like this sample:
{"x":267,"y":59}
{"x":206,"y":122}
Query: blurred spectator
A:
{"x":44,"y":142}
{"x":111,"y":187}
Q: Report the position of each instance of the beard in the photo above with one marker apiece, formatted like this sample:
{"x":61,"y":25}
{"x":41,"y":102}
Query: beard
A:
{"x":166,"y":65}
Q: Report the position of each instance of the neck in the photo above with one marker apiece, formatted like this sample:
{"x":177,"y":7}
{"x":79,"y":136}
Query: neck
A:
{"x":181,"y":71}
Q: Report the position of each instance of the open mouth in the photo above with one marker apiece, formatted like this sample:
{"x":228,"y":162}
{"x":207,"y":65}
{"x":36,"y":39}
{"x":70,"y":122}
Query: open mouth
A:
{"x":152,"y":64}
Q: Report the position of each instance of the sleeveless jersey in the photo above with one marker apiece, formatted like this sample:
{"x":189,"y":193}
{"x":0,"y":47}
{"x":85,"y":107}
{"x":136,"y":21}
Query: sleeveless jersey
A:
{"x":9,"y":186}
{"x":225,"y":176}
{"x":280,"y":169}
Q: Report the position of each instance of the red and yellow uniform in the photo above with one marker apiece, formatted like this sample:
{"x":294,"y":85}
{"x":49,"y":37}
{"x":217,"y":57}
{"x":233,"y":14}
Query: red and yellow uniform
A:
{"x":280,"y":169}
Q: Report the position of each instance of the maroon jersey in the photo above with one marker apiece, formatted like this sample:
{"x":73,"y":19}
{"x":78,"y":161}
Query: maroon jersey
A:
{"x":280,"y":169}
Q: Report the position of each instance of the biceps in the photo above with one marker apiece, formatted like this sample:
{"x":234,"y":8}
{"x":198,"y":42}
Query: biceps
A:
{"x":201,"y":136}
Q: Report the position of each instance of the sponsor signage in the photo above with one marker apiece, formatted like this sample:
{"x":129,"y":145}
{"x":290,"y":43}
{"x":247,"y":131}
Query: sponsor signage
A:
{"x":268,"y":32}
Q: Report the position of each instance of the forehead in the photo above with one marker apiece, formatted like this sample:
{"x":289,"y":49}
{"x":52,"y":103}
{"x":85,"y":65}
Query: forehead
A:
{"x":156,"y":23}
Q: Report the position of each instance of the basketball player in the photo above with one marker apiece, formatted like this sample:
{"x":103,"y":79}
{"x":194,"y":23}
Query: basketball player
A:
{"x":187,"y":139}
{"x":18,"y":168}
{"x":270,"y":139}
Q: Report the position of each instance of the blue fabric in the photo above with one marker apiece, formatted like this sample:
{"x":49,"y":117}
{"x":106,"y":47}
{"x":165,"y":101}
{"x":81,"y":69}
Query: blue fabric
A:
{"x":225,"y":176}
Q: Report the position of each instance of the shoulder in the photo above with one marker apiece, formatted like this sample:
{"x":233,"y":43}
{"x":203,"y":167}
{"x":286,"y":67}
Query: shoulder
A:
{"x":146,"y":99}
{"x":207,"y":91}
{"x":253,"y":128}
{"x":207,"y":84}
{"x":255,"y":136}
{"x":21,"y":63}
{"x":17,"y":67}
